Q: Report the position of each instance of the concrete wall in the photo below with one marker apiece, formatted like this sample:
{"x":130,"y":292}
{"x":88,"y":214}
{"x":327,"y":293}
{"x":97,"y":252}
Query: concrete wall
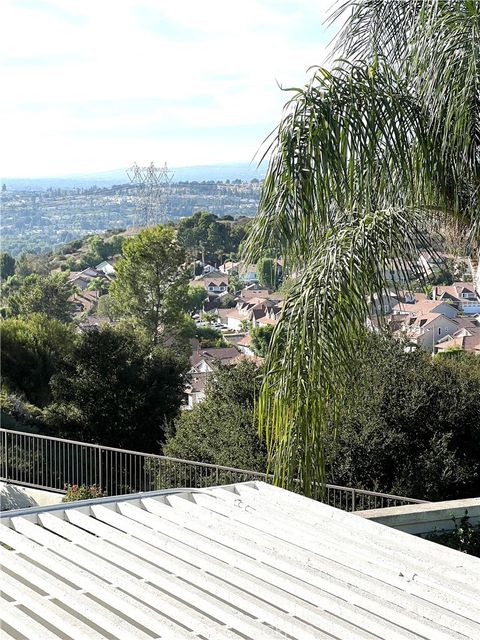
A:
{"x":421,"y":519}
{"x":14,"y":496}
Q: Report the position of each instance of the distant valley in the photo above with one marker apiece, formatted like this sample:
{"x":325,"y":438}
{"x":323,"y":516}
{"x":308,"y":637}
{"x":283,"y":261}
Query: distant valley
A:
{"x":41,"y":214}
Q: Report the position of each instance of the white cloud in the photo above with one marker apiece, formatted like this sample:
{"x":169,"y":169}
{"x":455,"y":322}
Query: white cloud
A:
{"x":97,"y":84}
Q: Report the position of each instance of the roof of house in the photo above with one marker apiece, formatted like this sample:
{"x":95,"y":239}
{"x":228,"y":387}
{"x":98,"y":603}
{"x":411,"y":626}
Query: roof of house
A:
{"x":425,"y":319}
{"x":455,"y":290}
{"x":467,"y":339}
{"x":421,"y":306}
{"x":247,"y":561}
{"x":197,"y":383}
{"x":216,"y":353}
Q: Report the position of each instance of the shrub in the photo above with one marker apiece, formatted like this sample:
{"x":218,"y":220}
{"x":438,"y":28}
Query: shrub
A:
{"x":465,"y":537}
{"x":82,"y":492}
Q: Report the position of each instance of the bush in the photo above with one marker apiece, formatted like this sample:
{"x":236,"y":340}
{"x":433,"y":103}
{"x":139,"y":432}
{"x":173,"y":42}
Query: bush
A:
{"x":82,"y":492}
{"x":465,"y":537}
{"x":223,"y":428}
{"x":412,"y":424}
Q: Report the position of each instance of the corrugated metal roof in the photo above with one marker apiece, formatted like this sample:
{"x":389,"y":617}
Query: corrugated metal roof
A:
{"x":244,"y":561}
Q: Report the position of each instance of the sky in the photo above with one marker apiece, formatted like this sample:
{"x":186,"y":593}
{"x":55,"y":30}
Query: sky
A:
{"x":95,"y":85}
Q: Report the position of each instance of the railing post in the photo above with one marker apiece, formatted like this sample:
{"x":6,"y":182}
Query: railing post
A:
{"x":353,"y":499}
{"x":100,"y":474}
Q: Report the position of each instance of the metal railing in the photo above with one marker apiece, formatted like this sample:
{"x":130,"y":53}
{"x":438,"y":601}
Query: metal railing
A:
{"x":45,"y":462}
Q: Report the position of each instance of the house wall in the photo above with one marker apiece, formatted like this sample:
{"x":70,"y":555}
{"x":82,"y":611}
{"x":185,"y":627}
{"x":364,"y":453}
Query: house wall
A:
{"x":234,"y":323}
{"x":14,"y":496}
{"x":436,"y":330}
{"x":470,"y":307}
{"x":421,"y":519}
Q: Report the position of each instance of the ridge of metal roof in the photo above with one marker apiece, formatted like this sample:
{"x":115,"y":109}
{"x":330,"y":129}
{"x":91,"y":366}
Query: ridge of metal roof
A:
{"x":247,"y":561}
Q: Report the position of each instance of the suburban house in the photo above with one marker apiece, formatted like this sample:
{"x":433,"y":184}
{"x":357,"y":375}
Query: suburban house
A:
{"x":229,"y":267}
{"x":462,"y":295}
{"x":245,"y":346}
{"x":466,"y":338}
{"x":81,"y":279}
{"x":201,"y":360}
{"x":426,"y":329}
{"x":424,"y":305}
{"x":84,"y":301}
{"x":257,"y":311}
{"x":106,"y":267}
{"x":195,"y":390}
{"x":212,"y":284}
{"x":248,"y":273}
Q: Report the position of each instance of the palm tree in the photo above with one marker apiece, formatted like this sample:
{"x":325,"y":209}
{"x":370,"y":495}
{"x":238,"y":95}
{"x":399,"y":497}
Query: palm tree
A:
{"x":366,"y":159}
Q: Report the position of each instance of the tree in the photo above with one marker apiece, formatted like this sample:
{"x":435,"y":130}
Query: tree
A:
{"x":195,"y":298}
{"x":31,"y":351}
{"x":150,"y":280}
{"x":116,"y":390}
{"x":266,"y":273}
{"x":7,"y":265}
{"x":209,"y":239}
{"x":261,"y":337}
{"x":42,"y":294}
{"x":366,"y":156}
{"x":31,"y":263}
{"x":222,"y":429}
{"x":412,"y":424}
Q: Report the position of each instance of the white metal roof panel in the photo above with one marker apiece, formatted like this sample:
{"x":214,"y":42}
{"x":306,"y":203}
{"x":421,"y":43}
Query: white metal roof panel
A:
{"x":245,"y":561}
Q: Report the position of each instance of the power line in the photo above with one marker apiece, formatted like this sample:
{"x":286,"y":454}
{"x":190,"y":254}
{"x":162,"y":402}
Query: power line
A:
{"x":152,"y":192}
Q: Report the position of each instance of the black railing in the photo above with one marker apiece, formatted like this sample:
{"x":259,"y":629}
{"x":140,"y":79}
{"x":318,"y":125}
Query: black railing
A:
{"x":49,"y":463}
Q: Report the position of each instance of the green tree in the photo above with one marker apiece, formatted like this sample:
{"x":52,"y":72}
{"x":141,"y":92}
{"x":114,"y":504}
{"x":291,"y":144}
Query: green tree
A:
{"x":222,"y":429}
{"x":369,"y":153}
{"x":7,"y":265}
{"x":32,"y":263}
{"x":31,"y":351}
{"x":266,"y":273}
{"x":42,"y":294}
{"x":204,"y":236}
{"x":150,"y":282}
{"x":412,"y":423}
{"x":116,"y":390}
{"x":195,"y":298}
{"x":261,"y":337}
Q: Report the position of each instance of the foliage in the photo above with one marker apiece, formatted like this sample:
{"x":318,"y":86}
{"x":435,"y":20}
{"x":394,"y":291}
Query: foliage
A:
{"x":222,"y":429}
{"x":227,"y":301}
{"x":32,"y":263}
{"x":114,"y":389}
{"x":42,"y":294}
{"x":266,"y":273}
{"x":7,"y":265}
{"x":17,"y":414}
{"x":150,"y":280}
{"x":209,"y":337}
{"x":366,"y":156}
{"x":82,"y":492}
{"x":106,"y":307}
{"x":98,"y":284}
{"x":465,"y":537}
{"x":234,"y":283}
{"x":31,"y":350}
{"x":411,"y":425}
{"x":208,"y":239}
{"x":261,"y":337}
{"x":195,"y":298}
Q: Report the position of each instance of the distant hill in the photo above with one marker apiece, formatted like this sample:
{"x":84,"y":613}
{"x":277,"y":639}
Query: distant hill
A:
{"x":199,"y":173}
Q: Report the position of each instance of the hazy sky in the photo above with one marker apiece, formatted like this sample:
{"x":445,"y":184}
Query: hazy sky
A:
{"x":92,"y":85}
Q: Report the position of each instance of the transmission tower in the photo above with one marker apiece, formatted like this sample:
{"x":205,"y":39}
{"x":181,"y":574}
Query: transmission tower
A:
{"x":152,"y":190}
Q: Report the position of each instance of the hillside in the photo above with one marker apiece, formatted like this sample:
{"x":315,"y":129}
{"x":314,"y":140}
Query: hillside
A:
{"x":37,"y":221}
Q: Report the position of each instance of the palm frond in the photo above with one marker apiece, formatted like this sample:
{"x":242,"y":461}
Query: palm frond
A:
{"x":307,"y":369}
